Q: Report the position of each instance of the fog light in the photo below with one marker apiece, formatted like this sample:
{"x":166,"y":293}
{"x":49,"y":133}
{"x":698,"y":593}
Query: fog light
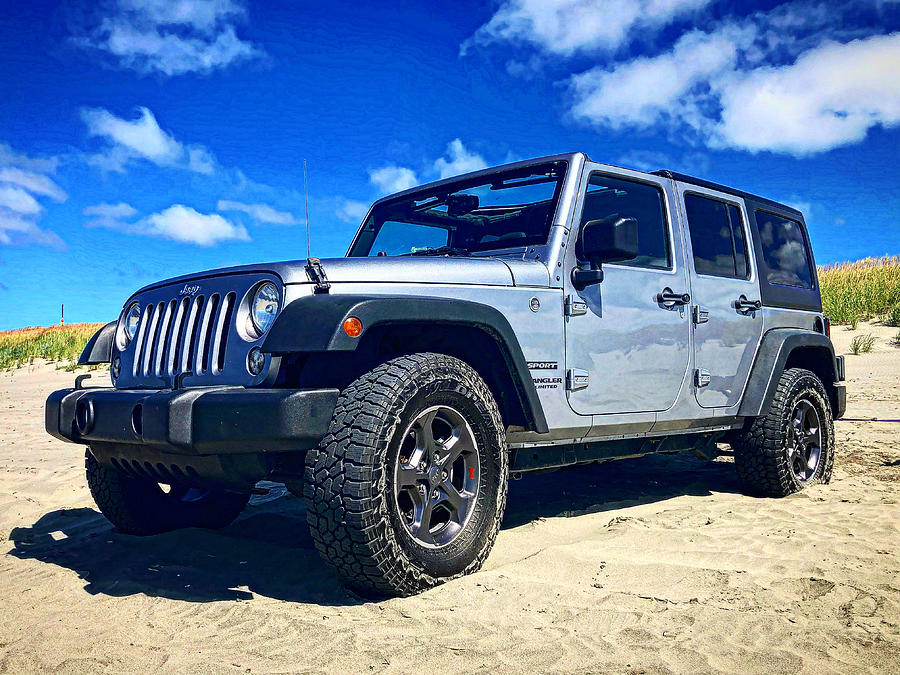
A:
{"x":256,"y":360}
{"x":116,"y":368}
{"x":352,"y":326}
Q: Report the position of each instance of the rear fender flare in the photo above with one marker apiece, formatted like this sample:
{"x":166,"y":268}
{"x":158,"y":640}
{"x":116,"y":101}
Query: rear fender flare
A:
{"x":776,"y":348}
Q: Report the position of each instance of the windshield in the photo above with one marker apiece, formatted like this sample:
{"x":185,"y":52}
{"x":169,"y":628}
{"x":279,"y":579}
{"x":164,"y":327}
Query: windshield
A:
{"x":508,"y":209}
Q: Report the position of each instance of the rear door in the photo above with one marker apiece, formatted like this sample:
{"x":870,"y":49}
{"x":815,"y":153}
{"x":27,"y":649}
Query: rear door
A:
{"x":626,"y":351}
{"x":726,"y":318}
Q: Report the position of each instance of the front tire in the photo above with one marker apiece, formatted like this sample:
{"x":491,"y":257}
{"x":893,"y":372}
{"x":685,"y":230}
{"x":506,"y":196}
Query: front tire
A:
{"x":408,"y":487}
{"x":139,"y":506}
{"x":791,"y":446}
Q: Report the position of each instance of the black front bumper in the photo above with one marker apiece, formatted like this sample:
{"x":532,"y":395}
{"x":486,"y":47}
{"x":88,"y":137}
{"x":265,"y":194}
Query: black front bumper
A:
{"x":194,"y":422}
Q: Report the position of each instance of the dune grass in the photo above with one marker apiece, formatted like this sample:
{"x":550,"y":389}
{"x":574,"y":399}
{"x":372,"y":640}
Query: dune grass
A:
{"x":62,"y":344}
{"x":865,"y":289}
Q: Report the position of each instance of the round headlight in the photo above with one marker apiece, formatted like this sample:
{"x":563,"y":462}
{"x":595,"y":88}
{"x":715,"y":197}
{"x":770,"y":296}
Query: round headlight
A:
{"x":130,"y":320}
{"x":264,"y":307}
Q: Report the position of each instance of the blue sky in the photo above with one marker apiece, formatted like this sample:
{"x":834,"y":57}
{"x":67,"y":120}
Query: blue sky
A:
{"x":142,"y":139}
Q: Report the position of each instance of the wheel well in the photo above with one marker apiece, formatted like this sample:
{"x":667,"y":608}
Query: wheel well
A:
{"x":820,"y":361}
{"x":472,"y":344}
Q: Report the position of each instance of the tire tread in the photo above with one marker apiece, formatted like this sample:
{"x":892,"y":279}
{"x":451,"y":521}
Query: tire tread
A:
{"x":344,"y":476}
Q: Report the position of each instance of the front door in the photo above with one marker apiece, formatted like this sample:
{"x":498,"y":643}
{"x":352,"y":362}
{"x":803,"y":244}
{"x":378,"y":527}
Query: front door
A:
{"x":727,"y":318}
{"x":627,"y":346}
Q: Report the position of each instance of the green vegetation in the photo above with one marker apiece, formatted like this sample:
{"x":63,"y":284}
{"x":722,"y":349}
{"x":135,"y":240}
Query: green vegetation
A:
{"x":62,"y":344}
{"x":865,"y":289}
{"x":895,"y":341}
{"x":892,"y":318}
{"x":862,"y":344}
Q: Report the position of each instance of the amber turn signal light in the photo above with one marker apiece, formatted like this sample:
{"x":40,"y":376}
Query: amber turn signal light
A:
{"x":352,"y":326}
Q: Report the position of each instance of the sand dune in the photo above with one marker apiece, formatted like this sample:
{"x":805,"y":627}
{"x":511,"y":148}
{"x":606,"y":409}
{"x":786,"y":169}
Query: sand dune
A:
{"x":653,"y":565}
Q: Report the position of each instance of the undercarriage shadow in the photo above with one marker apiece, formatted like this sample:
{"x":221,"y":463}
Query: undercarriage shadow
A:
{"x":268,"y":550}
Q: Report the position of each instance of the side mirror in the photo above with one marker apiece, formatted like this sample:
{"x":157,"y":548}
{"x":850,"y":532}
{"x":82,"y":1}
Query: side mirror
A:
{"x":605,"y":240}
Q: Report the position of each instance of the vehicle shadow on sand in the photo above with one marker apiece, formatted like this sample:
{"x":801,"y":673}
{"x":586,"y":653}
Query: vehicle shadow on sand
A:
{"x":268,"y":550}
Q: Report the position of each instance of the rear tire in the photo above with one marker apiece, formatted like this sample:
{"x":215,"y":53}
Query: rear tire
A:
{"x":139,"y":506}
{"x":791,"y":446}
{"x":408,"y":487}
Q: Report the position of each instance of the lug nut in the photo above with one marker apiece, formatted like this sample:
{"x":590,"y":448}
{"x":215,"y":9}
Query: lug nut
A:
{"x":435,"y":494}
{"x":443,"y":475}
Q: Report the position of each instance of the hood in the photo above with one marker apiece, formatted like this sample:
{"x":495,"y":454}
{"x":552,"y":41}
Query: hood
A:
{"x":426,"y":270}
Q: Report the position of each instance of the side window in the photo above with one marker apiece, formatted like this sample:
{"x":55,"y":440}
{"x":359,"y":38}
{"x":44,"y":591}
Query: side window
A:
{"x":784,"y":250}
{"x":609,"y":197}
{"x":717,"y":237}
{"x":741,"y":263}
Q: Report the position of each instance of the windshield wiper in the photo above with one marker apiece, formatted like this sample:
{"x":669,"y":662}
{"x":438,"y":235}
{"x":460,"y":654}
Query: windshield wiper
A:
{"x":441,"y":250}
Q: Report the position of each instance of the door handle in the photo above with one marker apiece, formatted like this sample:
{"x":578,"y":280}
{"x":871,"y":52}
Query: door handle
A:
{"x":669,"y":298}
{"x":745,"y":306}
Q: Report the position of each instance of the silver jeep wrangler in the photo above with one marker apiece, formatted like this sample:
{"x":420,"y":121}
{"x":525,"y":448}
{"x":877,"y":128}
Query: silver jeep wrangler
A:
{"x":522,"y":318}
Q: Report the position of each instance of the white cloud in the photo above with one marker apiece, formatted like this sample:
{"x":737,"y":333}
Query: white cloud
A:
{"x":23,"y":183}
{"x":172,"y":37}
{"x":9,"y":157}
{"x":830,"y":97}
{"x":351,"y":211}
{"x":178,"y":222}
{"x":19,"y":230}
{"x":566,"y":26}
{"x":712,"y":84}
{"x":645,"y":160}
{"x":184,"y":224}
{"x":120,"y":210}
{"x":803,"y":206}
{"x":142,"y":138}
{"x":33,"y":182}
{"x":461,"y":161}
{"x":390,"y":179}
{"x":18,"y":200}
{"x":262,"y":213}
{"x":200,"y":160}
{"x":645,"y":91}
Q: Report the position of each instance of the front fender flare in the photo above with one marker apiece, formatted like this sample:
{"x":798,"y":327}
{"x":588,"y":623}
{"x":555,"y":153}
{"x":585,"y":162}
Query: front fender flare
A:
{"x":99,"y":348}
{"x":315,"y":324}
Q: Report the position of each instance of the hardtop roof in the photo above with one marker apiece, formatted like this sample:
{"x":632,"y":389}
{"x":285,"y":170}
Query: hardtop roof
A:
{"x":570,"y":156}
{"x":700,"y":182}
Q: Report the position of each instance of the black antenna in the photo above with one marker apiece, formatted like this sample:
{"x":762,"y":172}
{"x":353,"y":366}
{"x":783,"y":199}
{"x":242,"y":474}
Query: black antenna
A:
{"x":306,"y":190}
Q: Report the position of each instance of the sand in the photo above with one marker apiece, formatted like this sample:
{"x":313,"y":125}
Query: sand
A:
{"x":652,"y":565}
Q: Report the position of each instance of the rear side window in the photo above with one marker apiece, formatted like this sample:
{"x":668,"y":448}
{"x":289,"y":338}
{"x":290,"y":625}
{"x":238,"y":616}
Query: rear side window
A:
{"x":784,"y":250}
{"x":717,"y":237}
{"x":609,"y":197}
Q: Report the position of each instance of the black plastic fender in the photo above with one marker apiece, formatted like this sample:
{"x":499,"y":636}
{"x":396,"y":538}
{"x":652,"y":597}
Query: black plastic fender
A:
{"x":315,"y":324}
{"x":99,"y":348}
{"x":771,"y":358}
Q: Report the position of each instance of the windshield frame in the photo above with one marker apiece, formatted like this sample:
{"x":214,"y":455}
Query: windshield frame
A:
{"x":474,"y":179}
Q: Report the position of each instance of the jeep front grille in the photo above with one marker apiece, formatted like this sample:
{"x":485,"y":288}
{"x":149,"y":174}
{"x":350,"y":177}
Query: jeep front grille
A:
{"x":196,"y":333}
{"x":189,"y":334}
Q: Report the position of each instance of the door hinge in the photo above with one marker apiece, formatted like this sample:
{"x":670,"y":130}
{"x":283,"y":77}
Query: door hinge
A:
{"x":317,"y":275}
{"x":701,"y":314}
{"x":575,"y":307}
{"x":701,"y":377}
{"x":576,"y":379}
